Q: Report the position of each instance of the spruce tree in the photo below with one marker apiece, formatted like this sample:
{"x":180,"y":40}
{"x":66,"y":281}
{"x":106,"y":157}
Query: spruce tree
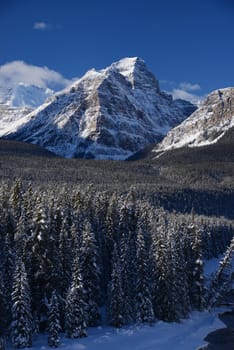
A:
{"x":65,"y":256}
{"x":111,"y":236}
{"x":8,"y":266}
{"x":159,"y":256}
{"x":75,"y":312}
{"x":128,"y":218}
{"x":21,"y":235}
{"x":2,"y":342}
{"x":53,"y":321}
{"x":172,"y":306}
{"x":116,"y":297}
{"x":198,"y":291}
{"x":221,"y":283}
{"x":41,"y":264}
{"x":21,"y":329}
{"x":128,"y":288}
{"x":16,"y":198}
{"x":144,"y":308}
{"x":3,"y":313}
{"x":181,"y":275}
{"x":91,"y":274}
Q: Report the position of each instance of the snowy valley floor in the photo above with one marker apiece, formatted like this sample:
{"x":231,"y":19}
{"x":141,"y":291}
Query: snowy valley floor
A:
{"x":189,"y":334}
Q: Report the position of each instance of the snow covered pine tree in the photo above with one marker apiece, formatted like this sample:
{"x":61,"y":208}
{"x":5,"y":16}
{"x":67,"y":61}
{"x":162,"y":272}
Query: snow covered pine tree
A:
{"x":53,"y":320}
{"x":21,"y":328}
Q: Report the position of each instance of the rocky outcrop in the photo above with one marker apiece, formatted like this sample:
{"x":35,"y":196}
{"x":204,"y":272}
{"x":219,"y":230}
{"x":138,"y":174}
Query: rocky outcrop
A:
{"x":206,"y":125}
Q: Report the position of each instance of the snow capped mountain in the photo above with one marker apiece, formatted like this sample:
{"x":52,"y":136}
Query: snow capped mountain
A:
{"x":206,"y":125}
{"x":23,"y":95}
{"x":11,"y":115}
{"x":107,"y":114}
{"x":17,"y":101}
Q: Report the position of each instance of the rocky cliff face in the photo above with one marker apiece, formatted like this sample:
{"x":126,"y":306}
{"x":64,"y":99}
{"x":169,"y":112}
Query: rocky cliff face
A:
{"x":206,"y":125}
{"x":107,"y":114}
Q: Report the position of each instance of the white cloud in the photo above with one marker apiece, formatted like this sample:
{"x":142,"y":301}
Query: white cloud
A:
{"x":184,"y":90}
{"x":40,"y":26}
{"x":185,"y":95}
{"x":18,"y":71}
{"x":189,"y":87}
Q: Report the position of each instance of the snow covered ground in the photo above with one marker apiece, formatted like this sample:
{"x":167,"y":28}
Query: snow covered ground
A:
{"x":186,"y":335}
{"x":189,"y":334}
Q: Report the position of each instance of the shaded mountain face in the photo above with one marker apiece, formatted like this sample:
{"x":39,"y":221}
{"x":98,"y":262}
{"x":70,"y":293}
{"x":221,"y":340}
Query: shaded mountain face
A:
{"x":107,"y":114}
{"x":207,"y":125}
{"x":187,"y":107}
{"x":11,"y":148}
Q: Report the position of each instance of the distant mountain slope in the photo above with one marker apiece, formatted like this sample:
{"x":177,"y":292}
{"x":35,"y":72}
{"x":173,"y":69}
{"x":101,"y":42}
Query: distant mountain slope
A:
{"x":187,"y":107}
{"x":18,"y":101}
{"x":206,"y":125}
{"x":9,"y":116}
{"x":17,"y":148}
{"x":220,"y":151}
{"x":24,"y":95}
{"x":107,"y":114}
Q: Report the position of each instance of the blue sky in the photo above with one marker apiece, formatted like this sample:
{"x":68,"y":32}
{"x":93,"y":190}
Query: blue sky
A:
{"x":187,"y":44}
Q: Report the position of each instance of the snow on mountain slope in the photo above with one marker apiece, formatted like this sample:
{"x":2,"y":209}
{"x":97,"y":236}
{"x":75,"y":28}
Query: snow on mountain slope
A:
{"x":29,"y":95}
{"x":17,"y":101}
{"x":107,"y":114}
{"x":10,"y":116}
{"x":23,"y":95}
{"x":206,"y":125}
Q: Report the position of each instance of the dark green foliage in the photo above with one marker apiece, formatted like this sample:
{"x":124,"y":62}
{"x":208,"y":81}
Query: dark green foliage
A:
{"x":128,"y":289}
{"x":221,"y":283}
{"x":53,"y":321}
{"x":8,"y":261}
{"x":197,"y":280}
{"x":179,"y":180}
{"x":91,"y":274}
{"x":75,"y":312}
{"x":116,"y":310}
{"x":3,"y":308}
{"x":144,"y":307}
{"x":21,"y":328}
{"x":2,"y":343}
{"x":65,"y":255}
{"x":41,"y":264}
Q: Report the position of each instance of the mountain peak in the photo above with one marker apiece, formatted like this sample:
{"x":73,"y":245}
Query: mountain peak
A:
{"x":128,"y":64}
{"x":106,"y":114}
{"x":136,"y":72}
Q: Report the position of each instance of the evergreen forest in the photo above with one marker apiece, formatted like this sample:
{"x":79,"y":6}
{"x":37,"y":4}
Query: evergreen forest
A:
{"x":74,"y":257}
